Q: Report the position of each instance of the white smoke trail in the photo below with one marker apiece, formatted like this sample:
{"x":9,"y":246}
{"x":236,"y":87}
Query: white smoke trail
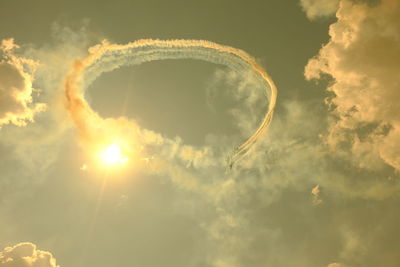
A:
{"x":107,"y":57}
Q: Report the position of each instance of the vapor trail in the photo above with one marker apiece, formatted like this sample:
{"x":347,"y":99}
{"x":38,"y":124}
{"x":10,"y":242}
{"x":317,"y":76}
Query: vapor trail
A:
{"x":107,"y":57}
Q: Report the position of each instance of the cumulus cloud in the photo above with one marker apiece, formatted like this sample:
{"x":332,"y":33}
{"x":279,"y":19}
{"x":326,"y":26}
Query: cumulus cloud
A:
{"x":26,"y":255}
{"x":16,"y":92}
{"x":363,"y":58}
{"x":319,"y":8}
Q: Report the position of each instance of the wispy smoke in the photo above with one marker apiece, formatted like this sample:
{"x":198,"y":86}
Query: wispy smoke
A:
{"x":106,"y":57}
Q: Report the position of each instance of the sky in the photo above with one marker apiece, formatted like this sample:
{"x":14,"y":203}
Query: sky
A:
{"x":319,"y":186}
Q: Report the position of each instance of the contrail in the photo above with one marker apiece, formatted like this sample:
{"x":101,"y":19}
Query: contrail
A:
{"x":107,"y":57}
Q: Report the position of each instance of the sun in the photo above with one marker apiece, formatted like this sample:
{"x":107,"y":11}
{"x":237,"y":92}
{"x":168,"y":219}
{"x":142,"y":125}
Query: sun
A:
{"x":112,"y":155}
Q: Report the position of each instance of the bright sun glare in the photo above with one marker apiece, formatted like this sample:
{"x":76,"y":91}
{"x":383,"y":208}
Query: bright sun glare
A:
{"x":112,"y":155}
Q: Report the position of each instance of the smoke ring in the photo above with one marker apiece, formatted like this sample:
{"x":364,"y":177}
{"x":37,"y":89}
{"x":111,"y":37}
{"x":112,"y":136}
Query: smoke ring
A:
{"x":106,"y":57}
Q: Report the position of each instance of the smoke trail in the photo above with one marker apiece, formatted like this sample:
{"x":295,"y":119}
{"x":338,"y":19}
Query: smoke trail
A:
{"x":107,"y":57}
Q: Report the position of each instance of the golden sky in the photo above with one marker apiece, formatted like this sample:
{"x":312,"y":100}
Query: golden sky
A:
{"x":140,"y":133}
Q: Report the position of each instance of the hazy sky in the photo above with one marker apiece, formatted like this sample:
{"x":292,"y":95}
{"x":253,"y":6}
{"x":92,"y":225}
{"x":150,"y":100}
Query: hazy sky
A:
{"x":320,"y":187}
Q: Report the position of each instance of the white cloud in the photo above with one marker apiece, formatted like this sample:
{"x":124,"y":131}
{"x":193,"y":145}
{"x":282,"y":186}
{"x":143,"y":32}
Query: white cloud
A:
{"x":26,"y":255}
{"x":363,"y":58}
{"x":319,"y":8}
{"x":16,"y":77}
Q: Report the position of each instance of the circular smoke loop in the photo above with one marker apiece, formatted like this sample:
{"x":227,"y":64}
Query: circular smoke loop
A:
{"x":106,"y":57}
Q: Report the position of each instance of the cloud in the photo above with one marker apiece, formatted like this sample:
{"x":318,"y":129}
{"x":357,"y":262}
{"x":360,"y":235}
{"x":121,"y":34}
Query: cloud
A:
{"x":319,"y":8}
{"x":26,"y":255}
{"x":16,"y":92}
{"x":363,"y":59}
{"x":315,"y":192}
{"x":28,"y":153}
